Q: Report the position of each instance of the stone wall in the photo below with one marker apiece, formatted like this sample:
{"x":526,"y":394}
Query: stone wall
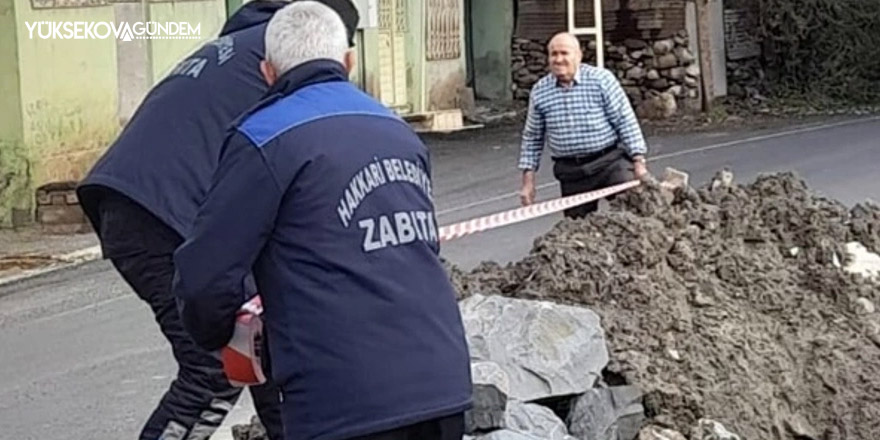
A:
{"x":660,"y":77}
{"x":745,"y":73}
{"x":745,"y":78}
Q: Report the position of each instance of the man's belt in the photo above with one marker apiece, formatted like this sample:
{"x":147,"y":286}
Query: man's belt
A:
{"x":580,"y":159}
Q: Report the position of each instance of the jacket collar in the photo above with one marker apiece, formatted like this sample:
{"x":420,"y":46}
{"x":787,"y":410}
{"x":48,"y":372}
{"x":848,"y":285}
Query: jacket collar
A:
{"x":306,"y":74}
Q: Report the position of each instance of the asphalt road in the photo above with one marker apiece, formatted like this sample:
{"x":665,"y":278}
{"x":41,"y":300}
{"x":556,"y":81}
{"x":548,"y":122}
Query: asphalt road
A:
{"x":82,"y":359}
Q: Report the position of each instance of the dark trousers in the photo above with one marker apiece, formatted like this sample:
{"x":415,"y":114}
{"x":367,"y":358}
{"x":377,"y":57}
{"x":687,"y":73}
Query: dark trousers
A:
{"x":141,"y":248}
{"x":590,"y":172}
{"x":446,"y":428}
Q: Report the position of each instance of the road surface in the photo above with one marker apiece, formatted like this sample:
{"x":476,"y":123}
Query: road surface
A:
{"x":82,"y":358}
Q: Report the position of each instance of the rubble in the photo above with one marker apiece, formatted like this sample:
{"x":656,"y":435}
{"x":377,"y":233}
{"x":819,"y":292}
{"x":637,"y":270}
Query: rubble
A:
{"x":659,"y":433}
{"x":865,"y":228}
{"x":491,"y":389}
{"x":535,"y":421}
{"x":727,"y":312}
{"x":729,"y":302}
{"x":614,"y":413}
{"x":707,"y":429}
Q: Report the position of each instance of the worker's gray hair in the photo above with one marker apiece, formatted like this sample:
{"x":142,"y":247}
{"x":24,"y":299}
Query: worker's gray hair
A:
{"x":304,"y":31}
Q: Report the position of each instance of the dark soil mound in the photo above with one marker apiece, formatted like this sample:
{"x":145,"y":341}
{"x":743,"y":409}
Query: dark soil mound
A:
{"x":728,"y":302}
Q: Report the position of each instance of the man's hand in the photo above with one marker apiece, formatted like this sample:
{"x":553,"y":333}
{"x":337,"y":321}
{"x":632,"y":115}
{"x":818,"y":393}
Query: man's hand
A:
{"x":641,"y":169}
{"x":527,"y":193}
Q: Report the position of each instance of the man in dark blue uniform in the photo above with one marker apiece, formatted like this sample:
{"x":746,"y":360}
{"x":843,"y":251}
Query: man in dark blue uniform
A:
{"x":143,"y":194}
{"x":324,"y":195}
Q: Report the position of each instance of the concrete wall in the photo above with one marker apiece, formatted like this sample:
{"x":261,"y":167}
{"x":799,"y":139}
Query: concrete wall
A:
{"x":431,"y":84}
{"x":210,"y":14}
{"x":68,"y":94}
{"x":14,"y":167}
{"x":491,"y":33}
{"x":67,"y":99}
{"x":446,"y":79}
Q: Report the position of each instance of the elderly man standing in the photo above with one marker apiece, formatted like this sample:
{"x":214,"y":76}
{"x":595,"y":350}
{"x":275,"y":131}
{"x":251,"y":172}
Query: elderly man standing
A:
{"x":582,"y":113}
{"x":325,"y":194}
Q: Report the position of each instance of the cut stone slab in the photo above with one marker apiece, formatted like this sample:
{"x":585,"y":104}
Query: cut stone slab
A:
{"x":536,"y":421}
{"x":707,"y":429}
{"x":503,"y":434}
{"x":658,"y":433}
{"x":546,"y":349}
{"x":614,"y":413}
{"x":491,"y":386}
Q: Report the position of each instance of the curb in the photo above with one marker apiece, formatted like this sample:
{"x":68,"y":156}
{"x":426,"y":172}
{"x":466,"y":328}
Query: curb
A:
{"x":62,"y":261}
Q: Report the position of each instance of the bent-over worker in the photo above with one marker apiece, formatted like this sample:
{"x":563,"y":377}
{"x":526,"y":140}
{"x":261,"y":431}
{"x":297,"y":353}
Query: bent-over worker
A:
{"x":585,"y":118}
{"x":142,"y":196}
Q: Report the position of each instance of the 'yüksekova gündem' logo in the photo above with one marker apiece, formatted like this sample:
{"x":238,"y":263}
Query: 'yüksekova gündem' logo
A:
{"x":102,"y":30}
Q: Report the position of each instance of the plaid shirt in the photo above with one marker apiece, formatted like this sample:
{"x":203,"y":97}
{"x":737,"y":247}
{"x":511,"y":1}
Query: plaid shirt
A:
{"x":591,"y":115}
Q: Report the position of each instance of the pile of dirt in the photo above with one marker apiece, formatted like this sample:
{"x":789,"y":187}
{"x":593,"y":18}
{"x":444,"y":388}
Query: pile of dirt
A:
{"x":727,"y":302}
{"x":866,"y":225}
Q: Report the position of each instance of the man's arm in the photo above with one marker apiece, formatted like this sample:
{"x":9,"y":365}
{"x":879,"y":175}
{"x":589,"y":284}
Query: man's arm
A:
{"x":233,"y":224}
{"x":622,"y":117}
{"x":530,"y":151}
{"x":532,"y":137}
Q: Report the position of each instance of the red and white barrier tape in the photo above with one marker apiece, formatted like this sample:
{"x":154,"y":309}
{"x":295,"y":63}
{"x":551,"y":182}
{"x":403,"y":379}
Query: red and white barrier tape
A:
{"x":512,"y":216}
{"x":241,"y":358}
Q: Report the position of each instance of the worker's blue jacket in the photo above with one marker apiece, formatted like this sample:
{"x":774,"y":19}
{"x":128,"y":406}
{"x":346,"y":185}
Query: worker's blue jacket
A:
{"x":166,"y":155}
{"x":326,"y":195}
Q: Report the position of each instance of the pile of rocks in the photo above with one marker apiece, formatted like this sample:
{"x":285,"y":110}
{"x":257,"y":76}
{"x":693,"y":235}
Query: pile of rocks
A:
{"x":746,"y":80}
{"x":538,"y":374}
{"x":528,"y":65}
{"x":660,"y":77}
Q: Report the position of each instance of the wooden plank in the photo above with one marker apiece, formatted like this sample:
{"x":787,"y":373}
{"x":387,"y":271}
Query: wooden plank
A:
{"x":645,"y":19}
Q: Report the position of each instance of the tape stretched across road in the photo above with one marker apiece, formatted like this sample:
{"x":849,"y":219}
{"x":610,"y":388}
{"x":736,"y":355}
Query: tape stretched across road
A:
{"x":533,"y":211}
{"x":242,"y":362}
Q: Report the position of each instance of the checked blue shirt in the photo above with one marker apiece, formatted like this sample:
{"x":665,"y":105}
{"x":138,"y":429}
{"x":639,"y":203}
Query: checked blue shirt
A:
{"x":591,"y":115}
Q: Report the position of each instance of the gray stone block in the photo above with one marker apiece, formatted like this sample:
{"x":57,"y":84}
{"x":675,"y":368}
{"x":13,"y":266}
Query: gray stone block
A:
{"x":546,"y":349}
{"x":614,"y":413}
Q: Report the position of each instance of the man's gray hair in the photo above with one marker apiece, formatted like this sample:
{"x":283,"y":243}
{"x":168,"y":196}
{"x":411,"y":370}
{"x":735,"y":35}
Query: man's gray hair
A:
{"x":304,"y":31}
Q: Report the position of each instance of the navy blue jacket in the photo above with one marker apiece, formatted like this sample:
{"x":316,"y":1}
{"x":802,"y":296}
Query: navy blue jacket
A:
{"x":166,"y":155}
{"x":326,"y":195}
